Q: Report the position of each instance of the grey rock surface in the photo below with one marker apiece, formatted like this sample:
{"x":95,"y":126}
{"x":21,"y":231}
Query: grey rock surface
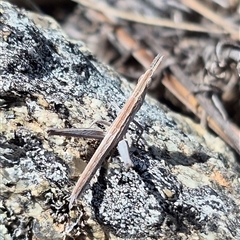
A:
{"x":184,"y":184}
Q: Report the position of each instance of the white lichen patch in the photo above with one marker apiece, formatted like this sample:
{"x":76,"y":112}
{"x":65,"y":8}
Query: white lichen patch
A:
{"x":45,"y":117}
{"x":190,"y":178}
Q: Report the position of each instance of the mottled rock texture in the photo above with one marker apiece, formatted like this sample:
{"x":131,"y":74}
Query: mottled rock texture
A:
{"x":184,"y":184}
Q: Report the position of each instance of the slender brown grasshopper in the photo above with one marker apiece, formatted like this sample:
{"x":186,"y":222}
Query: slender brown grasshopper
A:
{"x":115,"y":134}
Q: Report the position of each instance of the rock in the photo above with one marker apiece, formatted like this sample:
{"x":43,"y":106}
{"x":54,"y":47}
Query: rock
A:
{"x":182,"y":185}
